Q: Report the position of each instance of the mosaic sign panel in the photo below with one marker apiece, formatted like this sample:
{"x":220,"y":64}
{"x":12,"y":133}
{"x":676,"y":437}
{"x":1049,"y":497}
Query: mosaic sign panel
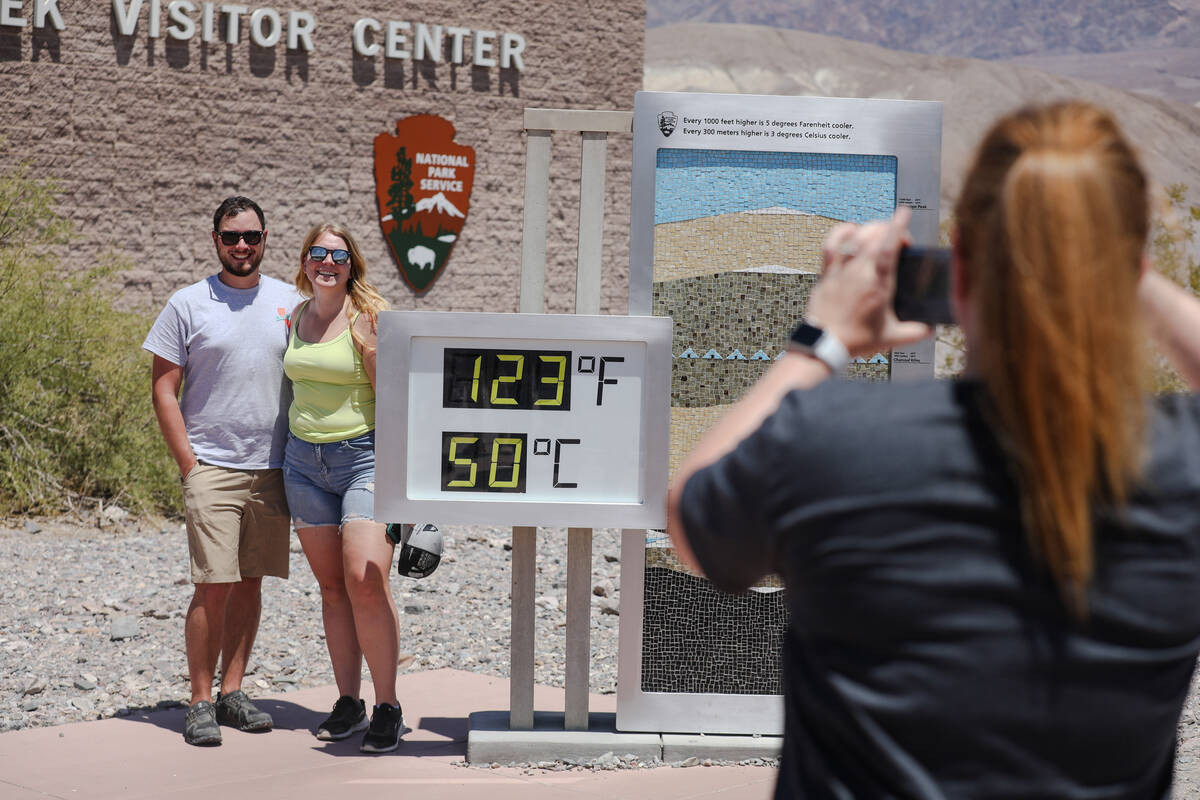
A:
{"x":733,"y":196}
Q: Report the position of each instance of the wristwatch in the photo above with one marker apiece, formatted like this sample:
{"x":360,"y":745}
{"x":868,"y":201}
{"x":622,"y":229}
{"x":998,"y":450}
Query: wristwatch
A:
{"x":820,"y":344}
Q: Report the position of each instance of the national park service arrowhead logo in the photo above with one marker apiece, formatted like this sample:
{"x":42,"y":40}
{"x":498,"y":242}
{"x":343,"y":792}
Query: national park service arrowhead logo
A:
{"x":667,"y":122}
{"x":423,"y":189}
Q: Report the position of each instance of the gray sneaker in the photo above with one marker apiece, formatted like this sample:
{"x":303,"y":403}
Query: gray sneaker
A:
{"x":200,"y":725}
{"x":236,"y":710}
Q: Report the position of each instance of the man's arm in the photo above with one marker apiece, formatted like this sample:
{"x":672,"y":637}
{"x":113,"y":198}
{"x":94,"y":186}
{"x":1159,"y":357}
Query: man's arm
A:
{"x":165,"y":381}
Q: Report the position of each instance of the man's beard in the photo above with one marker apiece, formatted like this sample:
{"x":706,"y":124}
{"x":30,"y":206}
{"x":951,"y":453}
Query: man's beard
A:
{"x":241,"y":269}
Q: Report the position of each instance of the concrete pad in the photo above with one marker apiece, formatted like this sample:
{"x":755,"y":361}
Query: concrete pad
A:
{"x":144,"y":756}
{"x":491,"y":740}
{"x":678,"y":747}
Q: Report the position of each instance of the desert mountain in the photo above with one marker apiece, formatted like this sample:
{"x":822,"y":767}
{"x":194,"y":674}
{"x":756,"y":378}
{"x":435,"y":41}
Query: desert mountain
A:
{"x":1148,"y":46}
{"x":753,"y":59}
{"x":991,"y":29}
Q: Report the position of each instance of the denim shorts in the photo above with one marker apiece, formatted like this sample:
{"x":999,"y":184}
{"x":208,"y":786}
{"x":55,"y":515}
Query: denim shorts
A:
{"x":332,"y":483}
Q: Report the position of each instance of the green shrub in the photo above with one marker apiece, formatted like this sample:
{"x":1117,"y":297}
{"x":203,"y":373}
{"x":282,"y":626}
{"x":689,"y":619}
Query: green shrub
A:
{"x":1172,"y":242}
{"x":76,"y":424}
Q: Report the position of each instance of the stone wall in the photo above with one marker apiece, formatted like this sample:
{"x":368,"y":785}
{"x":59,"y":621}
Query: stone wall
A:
{"x":146,"y":135}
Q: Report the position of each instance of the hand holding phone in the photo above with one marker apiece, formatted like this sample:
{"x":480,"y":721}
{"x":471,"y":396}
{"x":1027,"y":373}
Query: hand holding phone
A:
{"x":923,"y":285}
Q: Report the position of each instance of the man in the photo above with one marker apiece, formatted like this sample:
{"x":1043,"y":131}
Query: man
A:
{"x":222,"y":339}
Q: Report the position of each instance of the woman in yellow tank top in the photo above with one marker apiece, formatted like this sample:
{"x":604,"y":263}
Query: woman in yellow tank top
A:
{"x":329,"y":475}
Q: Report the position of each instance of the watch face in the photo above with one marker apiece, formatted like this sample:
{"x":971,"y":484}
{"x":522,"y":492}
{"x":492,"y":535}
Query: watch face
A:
{"x":806,"y":335}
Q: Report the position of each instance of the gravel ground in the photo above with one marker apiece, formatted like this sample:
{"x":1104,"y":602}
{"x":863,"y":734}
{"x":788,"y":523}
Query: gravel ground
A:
{"x":91,"y":621}
{"x":91,"y":617}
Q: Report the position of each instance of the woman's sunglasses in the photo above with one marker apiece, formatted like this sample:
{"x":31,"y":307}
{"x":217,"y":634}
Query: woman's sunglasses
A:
{"x":230,"y":238}
{"x":318,"y":253}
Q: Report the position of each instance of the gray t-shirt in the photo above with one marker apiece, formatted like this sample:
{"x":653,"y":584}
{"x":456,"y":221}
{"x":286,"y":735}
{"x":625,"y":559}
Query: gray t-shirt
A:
{"x":230,"y":343}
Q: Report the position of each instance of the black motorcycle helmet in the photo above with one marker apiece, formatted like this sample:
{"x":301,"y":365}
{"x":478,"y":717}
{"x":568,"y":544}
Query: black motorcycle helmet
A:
{"x":420,"y":548}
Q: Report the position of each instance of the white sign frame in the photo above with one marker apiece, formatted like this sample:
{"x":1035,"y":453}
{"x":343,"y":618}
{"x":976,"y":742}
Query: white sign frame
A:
{"x":399,"y":496}
{"x":907,"y":129}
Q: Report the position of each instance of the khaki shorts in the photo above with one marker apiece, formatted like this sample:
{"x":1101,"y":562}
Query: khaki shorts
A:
{"x":237,"y":523}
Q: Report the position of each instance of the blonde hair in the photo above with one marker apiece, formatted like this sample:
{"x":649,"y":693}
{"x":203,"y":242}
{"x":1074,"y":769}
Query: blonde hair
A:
{"x":1052,"y":223}
{"x":364,"y":297}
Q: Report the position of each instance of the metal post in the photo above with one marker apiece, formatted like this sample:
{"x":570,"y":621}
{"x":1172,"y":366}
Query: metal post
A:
{"x":533,"y":235}
{"x":524,"y":552}
{"x":521,"y":629}
{"x":579,"y":627}
{"x":591,"y":222}
{"x":593,"y":127}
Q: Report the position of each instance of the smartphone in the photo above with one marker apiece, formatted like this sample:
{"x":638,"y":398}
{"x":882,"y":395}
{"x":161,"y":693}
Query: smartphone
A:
{"x":923,"y":285}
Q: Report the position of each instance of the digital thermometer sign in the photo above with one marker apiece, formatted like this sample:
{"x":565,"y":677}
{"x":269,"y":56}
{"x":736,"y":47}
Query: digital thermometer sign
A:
{"x":522,"y":419}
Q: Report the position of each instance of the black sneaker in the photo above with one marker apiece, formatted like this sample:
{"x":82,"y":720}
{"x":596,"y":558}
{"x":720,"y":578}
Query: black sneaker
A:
{"x":236,"y":710}
{"x":200,"y":725}
{"x":387,"y":726}
{"x":349,"y":715}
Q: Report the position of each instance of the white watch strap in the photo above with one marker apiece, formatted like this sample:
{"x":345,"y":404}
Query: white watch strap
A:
{"x":830,"y":350}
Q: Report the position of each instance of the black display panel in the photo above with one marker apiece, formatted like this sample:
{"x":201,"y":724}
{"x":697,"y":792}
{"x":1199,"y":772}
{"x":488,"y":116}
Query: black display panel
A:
{"x":473,"y":461}
{"x":518,"y":379}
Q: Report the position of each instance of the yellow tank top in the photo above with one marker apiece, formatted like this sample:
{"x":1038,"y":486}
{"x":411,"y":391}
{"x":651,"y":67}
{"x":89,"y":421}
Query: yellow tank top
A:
{"x":332,"y":398}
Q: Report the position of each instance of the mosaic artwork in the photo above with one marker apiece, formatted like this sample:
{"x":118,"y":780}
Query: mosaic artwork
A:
{"x":710,"y":650}
{"x":737,"y":249}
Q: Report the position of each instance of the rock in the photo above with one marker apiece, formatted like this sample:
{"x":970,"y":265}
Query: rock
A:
{"x":32,"y":527}
{"x":30,"y":705}
{"x":83,"y":704}
{"x":124,"y":627}
{"x":609,"y":606}
{"x":36,"y":686}
{"x":85,"y":682}
{"x":603,"y":588}
{"x":414,"y":608}
{"x":688,"y":762}
{"x":113,"y":514}
{"x":610,"y":558}
{"x":547,"y":601}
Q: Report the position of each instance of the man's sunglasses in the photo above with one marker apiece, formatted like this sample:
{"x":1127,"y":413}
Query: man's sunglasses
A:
{"x":318,"y":253}
{"x":230,"y":238}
